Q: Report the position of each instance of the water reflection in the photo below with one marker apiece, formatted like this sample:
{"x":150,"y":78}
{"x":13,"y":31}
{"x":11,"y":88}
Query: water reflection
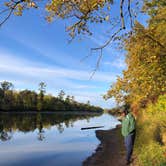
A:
{"x":10,"y":123}
{"x":49,"y":139}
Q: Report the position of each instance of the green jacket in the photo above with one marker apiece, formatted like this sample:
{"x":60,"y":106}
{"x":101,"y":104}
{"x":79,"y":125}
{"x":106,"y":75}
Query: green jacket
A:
{"x":128,"y":124}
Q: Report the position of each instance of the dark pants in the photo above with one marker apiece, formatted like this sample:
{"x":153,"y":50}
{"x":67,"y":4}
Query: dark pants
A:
{"x":129,"y":143}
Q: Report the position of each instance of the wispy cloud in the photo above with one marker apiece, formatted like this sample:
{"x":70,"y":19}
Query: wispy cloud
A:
{"x":13,"y":64}
{"x":118,"y":63}
{"x":43,"y":50}
{"x":27,"y":74}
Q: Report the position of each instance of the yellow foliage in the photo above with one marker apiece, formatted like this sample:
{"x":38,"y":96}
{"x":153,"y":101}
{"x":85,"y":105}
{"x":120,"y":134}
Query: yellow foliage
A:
{"x":144,"y":79}
{"x":150,"y":146}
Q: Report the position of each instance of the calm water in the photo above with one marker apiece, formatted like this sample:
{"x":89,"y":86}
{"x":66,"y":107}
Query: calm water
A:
{"x":49,"y":139}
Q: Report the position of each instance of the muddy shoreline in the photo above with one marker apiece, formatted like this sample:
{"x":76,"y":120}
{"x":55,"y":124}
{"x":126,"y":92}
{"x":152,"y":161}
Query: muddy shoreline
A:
{"x":110,"y":151}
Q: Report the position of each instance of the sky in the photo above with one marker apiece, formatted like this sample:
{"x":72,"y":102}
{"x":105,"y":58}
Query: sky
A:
{"x":33,"y":50}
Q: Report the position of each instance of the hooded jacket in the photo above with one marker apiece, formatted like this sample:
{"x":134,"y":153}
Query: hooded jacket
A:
{"x":128,"y":124}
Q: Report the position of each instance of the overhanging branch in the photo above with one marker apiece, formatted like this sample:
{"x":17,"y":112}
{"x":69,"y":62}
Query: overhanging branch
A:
{"x":11,"y":10}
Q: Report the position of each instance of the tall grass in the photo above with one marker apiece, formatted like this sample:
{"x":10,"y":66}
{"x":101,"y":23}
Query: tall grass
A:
{"x":150,"y":147}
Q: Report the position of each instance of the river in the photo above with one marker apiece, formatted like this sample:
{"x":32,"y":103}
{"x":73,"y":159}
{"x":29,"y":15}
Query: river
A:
{"x":49,"y":139}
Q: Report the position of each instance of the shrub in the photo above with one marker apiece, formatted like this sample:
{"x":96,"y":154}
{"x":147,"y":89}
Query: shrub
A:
{"x":151,"y":126}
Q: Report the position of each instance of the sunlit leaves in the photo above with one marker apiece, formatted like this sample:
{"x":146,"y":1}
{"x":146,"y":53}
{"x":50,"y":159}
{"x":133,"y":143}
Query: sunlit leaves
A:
{"x":18,"y":6}
{"x":82,"y":11}
{"x":145,"y":77}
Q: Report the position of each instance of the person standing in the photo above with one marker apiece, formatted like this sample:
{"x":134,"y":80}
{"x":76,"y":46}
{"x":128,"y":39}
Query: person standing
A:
{"x":129,"y":132}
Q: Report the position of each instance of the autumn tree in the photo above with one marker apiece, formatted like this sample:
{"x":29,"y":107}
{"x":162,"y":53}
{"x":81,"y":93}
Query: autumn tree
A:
{"x":28,"y":100}
{"x":6,"y":94}
{"x":144,"y":78}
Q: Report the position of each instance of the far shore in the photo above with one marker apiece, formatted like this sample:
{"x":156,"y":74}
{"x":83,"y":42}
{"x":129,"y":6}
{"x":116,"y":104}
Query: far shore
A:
{"x":54,"y":112}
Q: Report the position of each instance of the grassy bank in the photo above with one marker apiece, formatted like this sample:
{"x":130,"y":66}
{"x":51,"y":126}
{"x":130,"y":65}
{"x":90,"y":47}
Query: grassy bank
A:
{"x":150,"y":147}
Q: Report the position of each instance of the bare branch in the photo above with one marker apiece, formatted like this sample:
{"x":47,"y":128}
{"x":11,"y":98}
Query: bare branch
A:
{"x":117,"y":23}
{"x":129,"y":11}
{"x":84,"y":58}
{"x":121,"y":14}
{"x":97,"y":64}
{"x":101,"y":49}
{"x":110,"y":39}
{"x":11,"y":11}
{"x":120,"y":29}
{"x":108,"y":42}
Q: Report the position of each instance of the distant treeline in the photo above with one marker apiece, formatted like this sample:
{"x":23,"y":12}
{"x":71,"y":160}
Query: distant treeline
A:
{"x":27,"y":100}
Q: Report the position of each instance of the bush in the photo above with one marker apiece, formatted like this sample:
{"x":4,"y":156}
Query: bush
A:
{"x":151,"y":155}
{"x":151,"y":125}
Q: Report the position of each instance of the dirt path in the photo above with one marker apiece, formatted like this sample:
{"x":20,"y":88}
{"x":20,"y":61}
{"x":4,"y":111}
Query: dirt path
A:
{"x":110,"y":152}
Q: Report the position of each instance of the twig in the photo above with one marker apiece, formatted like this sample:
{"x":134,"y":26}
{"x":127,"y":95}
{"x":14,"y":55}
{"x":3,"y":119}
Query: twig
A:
{"x":84,"y":58}
{"x":108,"y":42}
{"x":129,"y":11}
{"x":11,"y":11}
{"x":12,"y":8}
{"x":110,"y":39}
{"x":97,"y":64}
{"x":121,"y":14}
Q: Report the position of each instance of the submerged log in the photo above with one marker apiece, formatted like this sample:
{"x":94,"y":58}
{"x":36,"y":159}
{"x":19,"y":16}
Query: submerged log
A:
{"x":95,"y":127}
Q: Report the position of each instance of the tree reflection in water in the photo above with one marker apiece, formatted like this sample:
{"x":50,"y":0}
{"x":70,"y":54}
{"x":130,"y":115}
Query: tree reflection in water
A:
{"x":5,"y":135}
{"x":26,"y":122}
{"x":41,"y":132}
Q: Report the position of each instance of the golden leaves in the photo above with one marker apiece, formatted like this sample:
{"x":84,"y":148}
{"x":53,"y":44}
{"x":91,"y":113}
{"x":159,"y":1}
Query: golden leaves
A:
{"x":145,"y":76}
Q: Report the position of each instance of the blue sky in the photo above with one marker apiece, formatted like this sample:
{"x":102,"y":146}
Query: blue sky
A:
{"x":32,"y":50}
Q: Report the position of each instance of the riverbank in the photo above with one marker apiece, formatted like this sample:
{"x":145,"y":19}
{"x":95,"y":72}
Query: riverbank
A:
{"x":110,"y":151}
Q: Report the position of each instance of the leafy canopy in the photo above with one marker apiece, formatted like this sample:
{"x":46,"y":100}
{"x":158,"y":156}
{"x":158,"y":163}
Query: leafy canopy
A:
{"x":82,"y":12}
{"x":145,"y":77}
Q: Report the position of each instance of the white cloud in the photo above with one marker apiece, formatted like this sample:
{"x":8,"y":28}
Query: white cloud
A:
{"x":20,"y":66}
{"x":27,"y":74}
{"x":49,"y":52}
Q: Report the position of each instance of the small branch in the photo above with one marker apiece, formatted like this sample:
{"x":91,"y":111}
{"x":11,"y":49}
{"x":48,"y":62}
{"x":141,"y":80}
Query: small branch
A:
{"x":117,"y":23}
{"x":84,"y":58}
{"x":97,"y":64}
{"x":101,"y":49}
{"x":129,"y":11}
{"x":12,"y":8}
{"x":121,"y":14}
{"x":108,"y":42}
{"x":111,"y":38}
{"x":11,"y":11}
